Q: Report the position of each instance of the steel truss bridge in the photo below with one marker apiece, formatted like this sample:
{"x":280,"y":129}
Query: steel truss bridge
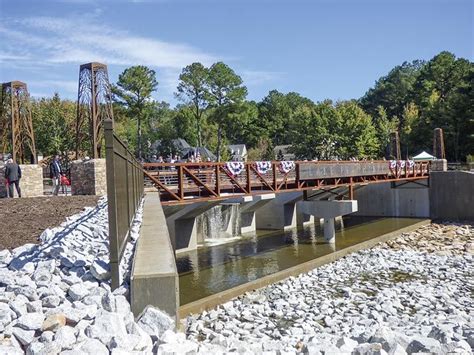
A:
{"x":181,"y":183}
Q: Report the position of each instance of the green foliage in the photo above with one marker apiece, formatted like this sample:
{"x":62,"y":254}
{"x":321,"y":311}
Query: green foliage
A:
{"x":133,"y":91}
{"x":413,"y":98}
{"x":225,"y":90}
{"x":193,"y":90}
{"x":54,"y":123}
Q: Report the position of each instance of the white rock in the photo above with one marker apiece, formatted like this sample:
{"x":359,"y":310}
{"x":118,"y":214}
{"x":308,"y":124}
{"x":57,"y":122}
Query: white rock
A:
{"x":25,"y":337}
{"x":105,"y":326}
{"x":155,"y":322}
{"x":65,"y":337}
{"x":31,"y":321}
{"x":92,"y":347}
{"x":100,"y":270}
{"x":187,"y":347}
{"x":346,"y":344}
{"x":77,"y":292}
{"x":5,"y":256}
{"x":51,"y":301}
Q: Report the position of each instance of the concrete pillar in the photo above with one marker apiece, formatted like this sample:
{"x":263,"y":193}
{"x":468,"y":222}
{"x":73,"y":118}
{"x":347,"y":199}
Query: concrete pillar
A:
{"x":329,"y":210}
{"x":280,"y":212}
{"x":303,"y":219}
{"x":329,"y":230}
{"x":248,"y":207}
{"x":439,"y":165}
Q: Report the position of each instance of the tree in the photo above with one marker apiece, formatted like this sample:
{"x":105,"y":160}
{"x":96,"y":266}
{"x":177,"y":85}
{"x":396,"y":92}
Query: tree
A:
{"x":54,"y":122}
{"x":225,"y":89}
{"x":357,"y":134}
{"x":441,"y":93}
{"x":383,"y":129}
{"x":133,"y":90}
{"x":192,"y":90}
{"x":393,"y":91}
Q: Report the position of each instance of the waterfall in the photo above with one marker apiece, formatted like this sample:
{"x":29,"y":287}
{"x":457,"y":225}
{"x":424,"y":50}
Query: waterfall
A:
{"x":219,"y":222}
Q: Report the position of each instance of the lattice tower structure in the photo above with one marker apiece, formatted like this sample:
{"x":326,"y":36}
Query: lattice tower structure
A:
{"x":16,"y":124}
{"x":94,"y":105}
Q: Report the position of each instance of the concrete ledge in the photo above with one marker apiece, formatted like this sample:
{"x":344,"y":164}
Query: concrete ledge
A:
{"x":452,"y":195}
{"x":154,"y":279}
{"x":222,"y":297}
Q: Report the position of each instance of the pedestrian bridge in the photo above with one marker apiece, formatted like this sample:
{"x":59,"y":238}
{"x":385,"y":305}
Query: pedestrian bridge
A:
{"x":182,"y":183}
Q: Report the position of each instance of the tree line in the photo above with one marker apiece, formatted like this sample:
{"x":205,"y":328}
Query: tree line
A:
{"x":213,"y":111}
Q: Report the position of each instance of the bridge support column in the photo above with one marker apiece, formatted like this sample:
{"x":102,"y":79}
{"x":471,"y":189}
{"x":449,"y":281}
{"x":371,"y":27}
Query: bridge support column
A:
{"x":280,"y":212}
{"x":329,"y":230}
{"x":181,"y":221}
{"x":248,"y":207}
{"x":329,"y":210}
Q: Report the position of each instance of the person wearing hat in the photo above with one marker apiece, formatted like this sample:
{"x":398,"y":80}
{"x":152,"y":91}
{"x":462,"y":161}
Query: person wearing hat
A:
{"x":13,"y":176}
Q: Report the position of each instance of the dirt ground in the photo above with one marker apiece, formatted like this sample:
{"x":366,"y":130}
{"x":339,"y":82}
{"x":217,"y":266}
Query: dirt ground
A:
{"x":22,"y":220}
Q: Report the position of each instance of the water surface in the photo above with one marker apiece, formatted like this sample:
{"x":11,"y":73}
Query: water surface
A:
{"x":210,"y":270}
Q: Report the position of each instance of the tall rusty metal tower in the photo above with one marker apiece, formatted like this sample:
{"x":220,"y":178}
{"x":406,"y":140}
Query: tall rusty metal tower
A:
{"x":438,"y":144}
{"x":16,"y":125}
{"x":94,"y":105}
{"x":394,"y":151}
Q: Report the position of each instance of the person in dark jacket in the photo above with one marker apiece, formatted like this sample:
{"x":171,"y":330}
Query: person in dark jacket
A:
{"x":55,"y":174}
{"x":13,"y":176}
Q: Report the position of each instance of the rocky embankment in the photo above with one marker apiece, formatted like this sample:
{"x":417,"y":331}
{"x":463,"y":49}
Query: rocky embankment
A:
{"x":413,"y":294}
{"x":55,"y":297}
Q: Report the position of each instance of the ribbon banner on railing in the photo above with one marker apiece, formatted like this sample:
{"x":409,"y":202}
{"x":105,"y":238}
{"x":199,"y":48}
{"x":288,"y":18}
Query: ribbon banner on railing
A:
{"x":401,"y":164}
{"x":263,"y":166}
{"x":234,"y":167}
{"x":286,"y":166}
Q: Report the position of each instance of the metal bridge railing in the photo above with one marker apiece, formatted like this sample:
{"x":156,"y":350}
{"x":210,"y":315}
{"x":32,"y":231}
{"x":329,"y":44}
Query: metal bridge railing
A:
{"x":125,"y":186}
{"x":181,"y":182}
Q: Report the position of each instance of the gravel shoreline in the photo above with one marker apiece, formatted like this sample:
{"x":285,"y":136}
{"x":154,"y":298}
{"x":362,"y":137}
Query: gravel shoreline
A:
{"x":410,"y":295}
{"x":413,"y":294}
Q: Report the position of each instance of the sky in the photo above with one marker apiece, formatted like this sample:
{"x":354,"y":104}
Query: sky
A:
{"x":322,"y":49}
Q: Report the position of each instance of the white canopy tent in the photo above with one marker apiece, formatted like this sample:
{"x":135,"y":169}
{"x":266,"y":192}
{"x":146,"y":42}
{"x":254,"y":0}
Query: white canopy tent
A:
{"x":424,"y":156}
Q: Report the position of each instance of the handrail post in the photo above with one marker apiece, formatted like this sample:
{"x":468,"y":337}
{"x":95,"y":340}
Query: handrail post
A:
{"x":275,"y":186}
{"x":112,"y":202}
{"x":180,"y":182}
{"x":218,"y":182}
{"x":249,"y":184}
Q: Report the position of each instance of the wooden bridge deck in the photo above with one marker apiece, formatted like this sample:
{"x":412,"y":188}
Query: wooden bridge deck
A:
{"x":180,"y":183}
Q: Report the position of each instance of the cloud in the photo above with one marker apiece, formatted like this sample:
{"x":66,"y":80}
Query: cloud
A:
{"x":76,"y":41}
{"x":257,"y":77}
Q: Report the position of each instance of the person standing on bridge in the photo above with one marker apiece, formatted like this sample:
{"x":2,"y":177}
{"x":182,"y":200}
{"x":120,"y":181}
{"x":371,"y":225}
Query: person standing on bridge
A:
{"x":13,"y":176}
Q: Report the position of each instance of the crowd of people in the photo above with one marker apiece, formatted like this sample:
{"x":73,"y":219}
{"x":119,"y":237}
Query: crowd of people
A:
{"x":13,"y":175}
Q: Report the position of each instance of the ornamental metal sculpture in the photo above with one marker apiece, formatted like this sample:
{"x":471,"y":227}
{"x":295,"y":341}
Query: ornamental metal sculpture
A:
{"x":438,"y":144}
{"x":16,"y":126}
{"x":94,"y":105}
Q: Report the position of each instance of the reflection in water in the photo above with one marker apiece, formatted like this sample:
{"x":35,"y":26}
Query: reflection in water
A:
{"x":214,"y":269}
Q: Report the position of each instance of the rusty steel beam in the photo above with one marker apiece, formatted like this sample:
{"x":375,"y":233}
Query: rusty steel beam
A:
{"x":94,"y":105}
{"x":16,"y":124}
{"x":394,"y":151}
{"x":175,"y":188}
{"x":438,"y":144}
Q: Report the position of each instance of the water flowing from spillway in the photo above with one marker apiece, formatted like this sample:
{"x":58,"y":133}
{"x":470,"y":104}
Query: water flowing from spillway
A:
{"x":219,"y":223}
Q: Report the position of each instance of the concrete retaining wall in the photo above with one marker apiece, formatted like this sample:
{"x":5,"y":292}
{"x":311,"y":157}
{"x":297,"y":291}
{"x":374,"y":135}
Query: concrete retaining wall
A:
{"x":408,"y":200}
{"x":452,"y":195}
{"x":88,"y":177}
{"x":31,"y":182}
{"x":154,"y":279}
